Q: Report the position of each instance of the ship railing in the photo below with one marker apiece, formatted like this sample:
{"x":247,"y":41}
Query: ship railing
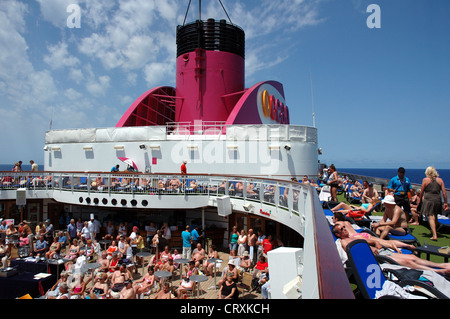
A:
{"x":293,"y":204}
{"x":196,"y":128}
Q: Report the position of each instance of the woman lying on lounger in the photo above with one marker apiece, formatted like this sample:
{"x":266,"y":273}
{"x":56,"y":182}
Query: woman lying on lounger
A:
{"x":345,"y":208}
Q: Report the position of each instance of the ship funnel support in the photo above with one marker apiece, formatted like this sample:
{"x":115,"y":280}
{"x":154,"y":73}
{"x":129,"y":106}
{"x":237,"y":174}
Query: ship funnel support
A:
{"x":210,"y":69}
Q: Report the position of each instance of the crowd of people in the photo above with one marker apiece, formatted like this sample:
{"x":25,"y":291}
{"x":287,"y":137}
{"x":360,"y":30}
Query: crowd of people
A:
{"x":115,"y":249}
{"x":410,"y":205}
{"x":402,"y":206}
{"x":248,"y":253}
{"x":7,"y":181}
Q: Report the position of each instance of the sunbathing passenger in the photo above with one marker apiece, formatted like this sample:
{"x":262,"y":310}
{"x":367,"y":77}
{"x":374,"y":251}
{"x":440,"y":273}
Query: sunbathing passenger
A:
{"x":174,"y":184}
{"x":407,"y":260}
{"x":347,"y":233}
{"x":146,"y":283}
{"x":345,"y":208}
{"x":251,"y":189}
{"x":356,"y":189}
{"x":161,"y":184}
{"x":370,"y":195}
{"x":239,"y":187}
{"x":394,"y":220}
{"x":193,"y":185}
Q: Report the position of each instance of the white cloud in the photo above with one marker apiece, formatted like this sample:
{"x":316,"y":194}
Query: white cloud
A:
{"x":134,"y":36}
{"x":157,"y":73}
{"x":76,"y":75}
{"x":72,"y":72}
{"x":59,"y":57}
{"x":55,"y":11}
{"x":98,"y":87}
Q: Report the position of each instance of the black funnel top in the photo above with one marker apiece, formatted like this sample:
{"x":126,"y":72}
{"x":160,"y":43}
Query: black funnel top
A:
{"x":210,"y":35}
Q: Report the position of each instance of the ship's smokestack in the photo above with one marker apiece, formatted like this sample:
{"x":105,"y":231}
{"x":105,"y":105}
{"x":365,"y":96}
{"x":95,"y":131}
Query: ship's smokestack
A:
{"x":210,"y":70}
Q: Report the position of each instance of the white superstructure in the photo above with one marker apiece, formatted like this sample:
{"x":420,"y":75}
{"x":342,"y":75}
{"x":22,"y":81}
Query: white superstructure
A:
{"x":276,"y":151}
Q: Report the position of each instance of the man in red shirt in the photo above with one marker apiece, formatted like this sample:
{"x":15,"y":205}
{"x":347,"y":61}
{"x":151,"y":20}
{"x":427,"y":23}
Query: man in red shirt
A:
{"x":267,"y":244}
{"x":183,"y":167}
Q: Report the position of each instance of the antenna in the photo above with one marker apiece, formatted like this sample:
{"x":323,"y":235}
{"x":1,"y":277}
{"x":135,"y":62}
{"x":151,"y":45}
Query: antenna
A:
{"x":51,"y":121}
{"x":312,"y":100}
{"x":200,"y":11}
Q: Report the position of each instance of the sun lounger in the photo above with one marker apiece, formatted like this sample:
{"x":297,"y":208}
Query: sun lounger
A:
{"x":373,"y":284}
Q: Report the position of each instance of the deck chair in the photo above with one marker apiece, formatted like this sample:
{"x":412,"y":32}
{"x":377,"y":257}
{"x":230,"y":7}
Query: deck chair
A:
{"x":83,"y":183}
{"x":365,"y":221}
{"x":408,"y":238}
{"x":246,"y":284}
{"x":443,"y":221}
{"x":325,"y":194}
{"x":370,"y":277}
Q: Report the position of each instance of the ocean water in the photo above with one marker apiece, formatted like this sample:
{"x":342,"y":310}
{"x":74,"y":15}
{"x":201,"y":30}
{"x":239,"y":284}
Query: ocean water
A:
{"x":415,"y":175}
{"x":25,"y":167}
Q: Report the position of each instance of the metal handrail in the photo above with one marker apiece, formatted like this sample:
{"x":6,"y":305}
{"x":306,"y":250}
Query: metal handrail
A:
{"x":293,"y":204}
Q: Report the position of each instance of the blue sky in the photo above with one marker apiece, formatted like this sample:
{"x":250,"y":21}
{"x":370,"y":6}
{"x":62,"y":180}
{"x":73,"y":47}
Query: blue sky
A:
{"x":381,"y":96}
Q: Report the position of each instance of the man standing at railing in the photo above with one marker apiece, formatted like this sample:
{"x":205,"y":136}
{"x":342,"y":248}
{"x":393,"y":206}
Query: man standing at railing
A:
{"x":183,"y":168}
{"x":34,"y":166}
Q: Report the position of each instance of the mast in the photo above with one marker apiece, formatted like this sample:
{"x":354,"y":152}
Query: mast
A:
{"x":312,"y":100}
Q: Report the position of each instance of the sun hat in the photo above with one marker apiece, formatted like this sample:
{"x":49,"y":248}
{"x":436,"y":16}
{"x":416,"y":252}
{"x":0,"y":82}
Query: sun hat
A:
{"x":389,"y":199}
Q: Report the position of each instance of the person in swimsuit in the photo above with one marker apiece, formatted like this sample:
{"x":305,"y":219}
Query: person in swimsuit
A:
{"x":345,"y":208}
{"x":79,"y":289}
{"x":112,"y":249}
{"x":164,"y":293}
{"x":100,"y":287}
{"x":333,"y":181}
{"x":407,"y":260}
{"x":186,"y":283}
{"x":414,"y":203}
{"x":114,"y":263}
{"x":118,"y":281}
{"x":346,"y":228}
{"x":73,"y":250}
{"x":146,"y":283}
{"x":394,"y":220}
{"x":54,"y":249}
{"x":207,"y":266}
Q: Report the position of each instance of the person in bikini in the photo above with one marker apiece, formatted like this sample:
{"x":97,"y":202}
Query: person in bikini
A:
{"x":345,"y":208}
{"x":146,"y":283}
